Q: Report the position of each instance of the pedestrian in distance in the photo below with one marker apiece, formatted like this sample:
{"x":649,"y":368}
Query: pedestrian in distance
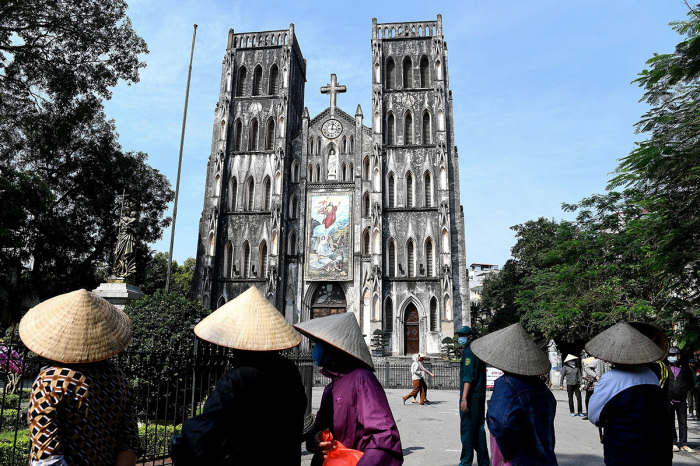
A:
{"x":590,"y":379}
{"x":255,"y":415}
{"x":81,"y":410}
{"x":572,"y":376}
{"x":472,"y":402}
{"x":693,"y":392}
{"x":417,"y":378}
{"x":522,"y":408}
{"x":354,"y":408}
{"x":628,"y":403}
{"x":424,"y":379}
{"x":680,"y":381}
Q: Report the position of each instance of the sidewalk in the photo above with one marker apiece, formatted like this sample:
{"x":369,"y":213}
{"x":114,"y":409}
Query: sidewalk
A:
{"x":430,"y":433}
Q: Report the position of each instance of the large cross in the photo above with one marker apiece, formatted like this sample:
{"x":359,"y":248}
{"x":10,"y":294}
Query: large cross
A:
{"x":333,"y":89}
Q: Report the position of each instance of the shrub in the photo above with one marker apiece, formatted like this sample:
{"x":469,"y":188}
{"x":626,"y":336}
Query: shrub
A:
{"x":156,"y":438}
{"x":19,"y":456}
{"x":12,"y":418}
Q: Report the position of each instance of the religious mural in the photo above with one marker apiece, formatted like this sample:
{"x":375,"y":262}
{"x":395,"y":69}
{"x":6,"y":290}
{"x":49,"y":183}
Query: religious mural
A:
{"x":329,"y":243}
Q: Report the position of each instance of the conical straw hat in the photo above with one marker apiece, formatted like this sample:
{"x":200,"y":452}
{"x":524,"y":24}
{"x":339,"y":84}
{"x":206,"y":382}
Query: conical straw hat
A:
{"x":249,"y":322}
{"x":341,"y":331}
{"x":588,"y":361}
{"x":653,"y":333}
{"x":622,"y":344}
{"x":569,"y":357}
{"x":512,"y":350}
{"x":76,"y":327}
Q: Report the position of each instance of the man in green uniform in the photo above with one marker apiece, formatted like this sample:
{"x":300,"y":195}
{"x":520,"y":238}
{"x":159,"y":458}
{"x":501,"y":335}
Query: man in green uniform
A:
{"x":472,"y":403}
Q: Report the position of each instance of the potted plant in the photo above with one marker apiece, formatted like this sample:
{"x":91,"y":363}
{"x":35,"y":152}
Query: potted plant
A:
{"x":378,"y":342}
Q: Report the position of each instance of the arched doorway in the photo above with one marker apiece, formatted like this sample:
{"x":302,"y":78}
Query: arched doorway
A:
{"x":411,"y":330}
{"x":329,"y":298}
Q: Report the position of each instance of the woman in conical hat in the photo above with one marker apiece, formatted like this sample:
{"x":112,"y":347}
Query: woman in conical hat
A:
{"x":260,"y":399}
{"x":522,"y":409}
{"x":79,"y":332}
{"x":354,"y":408}
{"x":628,"y":401}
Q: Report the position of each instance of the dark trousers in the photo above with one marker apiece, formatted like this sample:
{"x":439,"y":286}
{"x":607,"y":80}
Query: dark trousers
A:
{"x":417,"y":387}
{"x":589,"y":393}
{"x":679,"y":410}
{"x":424,"y":387}
{"x":571,"y":390}
{"x":471,"y":429}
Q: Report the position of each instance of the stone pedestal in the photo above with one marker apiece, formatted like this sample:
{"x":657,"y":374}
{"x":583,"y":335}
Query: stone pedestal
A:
{"x":119,"y":293}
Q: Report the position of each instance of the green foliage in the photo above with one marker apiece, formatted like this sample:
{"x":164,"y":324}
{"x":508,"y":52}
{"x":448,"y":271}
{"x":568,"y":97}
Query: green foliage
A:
{"x":450,"y":349}
{"x":18,"y":457}
{"x":12,"y":418}
{"x":11,"y":400}
{"x":153,"y":276}
{"x":156,"y":438}
{"x":379,"y":340}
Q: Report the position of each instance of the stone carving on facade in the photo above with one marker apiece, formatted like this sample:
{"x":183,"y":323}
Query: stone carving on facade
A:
{"x":376,"y":151}
{"x":446,"y":279}
{"x":437,"y":47}
{"x":213,"y":217}
{"x":272,"y":280}
{"x":255,"y":108}
{"x":206,"y":279}
{"x":124,"y":265}
{"x":277,"y":159}
{"x":376,"y":277}
{"x":444,"y":213}
{"x":332,"y":165}
{"x":376,"y":51}
{"x":376,"y":98}
{"x":408,"y":100}
{"x":376,"y":214}
{"x":439,"y":95}
{"x":275,"y":214}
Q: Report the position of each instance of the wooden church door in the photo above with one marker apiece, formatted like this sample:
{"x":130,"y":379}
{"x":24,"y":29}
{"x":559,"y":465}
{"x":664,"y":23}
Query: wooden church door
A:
{"x":411,"y":330}
{"x":328,"y":299}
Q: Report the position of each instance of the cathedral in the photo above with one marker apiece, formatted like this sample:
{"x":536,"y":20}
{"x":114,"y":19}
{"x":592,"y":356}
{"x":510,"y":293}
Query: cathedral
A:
{"x":335,"y":213}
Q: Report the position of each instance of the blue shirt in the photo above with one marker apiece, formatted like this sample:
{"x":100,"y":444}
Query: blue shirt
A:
{"x":521,"y":419}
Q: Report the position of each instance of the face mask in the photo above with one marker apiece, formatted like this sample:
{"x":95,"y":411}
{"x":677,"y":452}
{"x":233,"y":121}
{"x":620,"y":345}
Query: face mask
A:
{"x":322,"y":355}
{"x":462,"y":341}
{"x":672,"y":359}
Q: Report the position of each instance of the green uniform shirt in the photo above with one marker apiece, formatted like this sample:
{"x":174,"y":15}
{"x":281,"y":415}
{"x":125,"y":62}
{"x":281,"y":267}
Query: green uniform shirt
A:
{"x":472,"y":370}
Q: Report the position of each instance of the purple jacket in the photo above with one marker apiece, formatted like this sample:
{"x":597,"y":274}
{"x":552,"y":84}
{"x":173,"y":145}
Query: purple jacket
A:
{"x":356,"y":406}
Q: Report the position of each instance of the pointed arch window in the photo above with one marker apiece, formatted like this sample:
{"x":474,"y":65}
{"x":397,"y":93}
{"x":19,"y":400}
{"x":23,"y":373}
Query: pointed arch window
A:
{"x":408,"y":129}
{"x":429,"y":258}
{"x":390,"y":74}
{"x":426,"y":128}
{"x":365,"y":169}
{"x":411,"y":258}
{"x":217,"y":189}
{"x":310,"y":146}
{"x":344,"y":145}
{"x":270,"y":139}
{"x":251,"y":194}
{"x":428,"y":190}
{"x":352,"y":144}
{"x":392,"y":193}
{"x":228,"y":260}
{"x":292,"y":243}
{"x":266,"y":193}
{"x":433,"y":315}
{"x":424,"y":72}
{"x":344,"y":173}
{"x":392,"y":258}
{"x":274,"y":80}
{"x":263,"y":259}
{"x":311,"y":173}
{"x":238,"y":136}
{"x":211,"y":243}
{"x":293,"y":206}
{"x":246,"y":260}
{"x":365,"y":205}
{"x":240,"y":81}
{"x":232,"y":194}
{"x":253,"y":143}
{"x":365,"y":241}
{"x":257,"y":80}
{"x":409,"y":189}
{"x":318,"y":146}
{"x":390,"y":129}
{"x":318,"y":172}
{"x":407,"y":73}
{"x":295,"y":172}
{"x":388,"y":316}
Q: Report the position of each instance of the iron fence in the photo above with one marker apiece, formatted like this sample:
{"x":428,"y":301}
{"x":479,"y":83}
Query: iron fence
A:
{"x":170,"y":385}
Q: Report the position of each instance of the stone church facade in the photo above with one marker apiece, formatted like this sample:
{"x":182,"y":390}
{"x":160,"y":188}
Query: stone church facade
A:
{"x":335,"y":213}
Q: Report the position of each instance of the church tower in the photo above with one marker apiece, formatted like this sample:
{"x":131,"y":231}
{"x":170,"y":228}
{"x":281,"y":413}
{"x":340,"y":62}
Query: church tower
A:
{"x":241,"y":231}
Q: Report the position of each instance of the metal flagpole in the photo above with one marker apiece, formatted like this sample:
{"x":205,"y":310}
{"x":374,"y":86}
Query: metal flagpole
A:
{"x":179,"y":165}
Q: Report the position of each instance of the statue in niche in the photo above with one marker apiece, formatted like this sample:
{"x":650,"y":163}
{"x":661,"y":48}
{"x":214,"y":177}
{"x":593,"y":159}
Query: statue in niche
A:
{"x":376,"y":213}
{"x":444,"y":213}
{"x":124,"y":265}
{"x":446,"y":278}
{"x":332,"y":165}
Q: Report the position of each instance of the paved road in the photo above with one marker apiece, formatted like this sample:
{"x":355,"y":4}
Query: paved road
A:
{"x":430,"y":433}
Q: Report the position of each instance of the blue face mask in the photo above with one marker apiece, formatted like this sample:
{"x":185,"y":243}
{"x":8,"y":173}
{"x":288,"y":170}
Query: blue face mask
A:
{"x":322,"y":354}
{"x":672,"y":359}
{"x":462,"y":341}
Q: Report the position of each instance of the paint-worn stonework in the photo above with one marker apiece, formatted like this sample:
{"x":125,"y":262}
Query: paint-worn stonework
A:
{"x":327,"y":215}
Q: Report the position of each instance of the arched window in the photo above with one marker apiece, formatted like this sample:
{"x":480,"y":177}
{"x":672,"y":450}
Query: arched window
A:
{"x":270,"y":139}
{"x":228,"y":82}
{"x":310,"y":146}
{"x":232,"y":194}
{"x":407,"y":73}
{"x":392,"y":258}
{"x":311,"y":173}
{"x":318,"y":172}
{"x":246,"y":260}
{"x":409,"y":189}
{"x":228,"y":260}
{"x":424,"y":72}
{"x":266,"y":193}
{"x":433,"y":315}
{"x":293,"y":206}
{"x":318,"y":146}
{"x":441,"y":120}
{"x":257,"y":80}
{"x":377,"y":240}
{"x":295,"y":172}
{"x":408,"y":129}
{"x":251,"y":194}
{"x":344,"y":146}
{"x":238,"y":136}
{"x":211,"y":243}
{"x":388,"y":316}
{"x":438,"y":70}
{"x":411,"y":258}
{"x":352,"y":144}
{"x":217,"y":184}
{"x":392,"y":192}
{"x":292,"y":243}
{"x":443,"y":178}
{"x":390,"y":129}
{"x":445,"y":241}
{"x":426,"y":128}
{"x":365,"y":241}
{"x":344,"y":172}
{"x":274,"y":80}
{"x":223,"y":130}
{"x":428,"y":189}
{"x":263,"y":259}
{"x":365,"y":168}
{"x":351,"y":172}
{"x":390,"y":74}
{"x":430,"y":272}
{"x":365,"y":205}
{"x":220,"y":302}
{"x":253,"y":143}
{"x":240,"y":81}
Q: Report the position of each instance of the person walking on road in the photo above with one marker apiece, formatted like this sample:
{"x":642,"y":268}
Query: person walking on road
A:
{"x":693,"y":392}
{"x":590,"y":379}
{"x":424,"y":379}
{"x":572,"y":376}
{"x":472,"y":403}
{"x":416,"y":378}
{"x":680,"y":381}
{"x":628,"y":402}
{"x":522,"y":409}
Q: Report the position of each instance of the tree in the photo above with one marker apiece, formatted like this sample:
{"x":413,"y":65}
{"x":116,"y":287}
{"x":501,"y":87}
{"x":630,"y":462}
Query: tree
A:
{"x":153,"y":275}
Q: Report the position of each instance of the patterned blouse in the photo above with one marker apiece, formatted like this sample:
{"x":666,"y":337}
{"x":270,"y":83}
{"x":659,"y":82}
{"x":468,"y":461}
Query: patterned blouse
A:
{"x":83,"y":412}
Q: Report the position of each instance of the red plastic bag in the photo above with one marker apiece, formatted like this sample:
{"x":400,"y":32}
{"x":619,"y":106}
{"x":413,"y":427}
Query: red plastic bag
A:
{"x":341,"y":456}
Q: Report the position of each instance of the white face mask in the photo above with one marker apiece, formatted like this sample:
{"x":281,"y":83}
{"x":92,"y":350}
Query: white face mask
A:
{"x":672,"y":359}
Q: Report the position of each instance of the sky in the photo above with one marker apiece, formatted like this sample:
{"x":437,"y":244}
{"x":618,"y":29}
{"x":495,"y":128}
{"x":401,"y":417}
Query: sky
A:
{"x":543,"y":101}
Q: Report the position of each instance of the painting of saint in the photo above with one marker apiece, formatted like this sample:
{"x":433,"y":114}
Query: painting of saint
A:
{"x":329,"y":242}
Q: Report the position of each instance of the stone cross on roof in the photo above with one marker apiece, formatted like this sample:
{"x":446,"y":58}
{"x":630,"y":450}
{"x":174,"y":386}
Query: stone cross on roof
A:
{"x":333,"y":89}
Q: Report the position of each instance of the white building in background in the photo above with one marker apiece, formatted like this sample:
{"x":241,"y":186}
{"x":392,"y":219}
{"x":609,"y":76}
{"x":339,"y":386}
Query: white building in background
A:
{"x":477,"y":274}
